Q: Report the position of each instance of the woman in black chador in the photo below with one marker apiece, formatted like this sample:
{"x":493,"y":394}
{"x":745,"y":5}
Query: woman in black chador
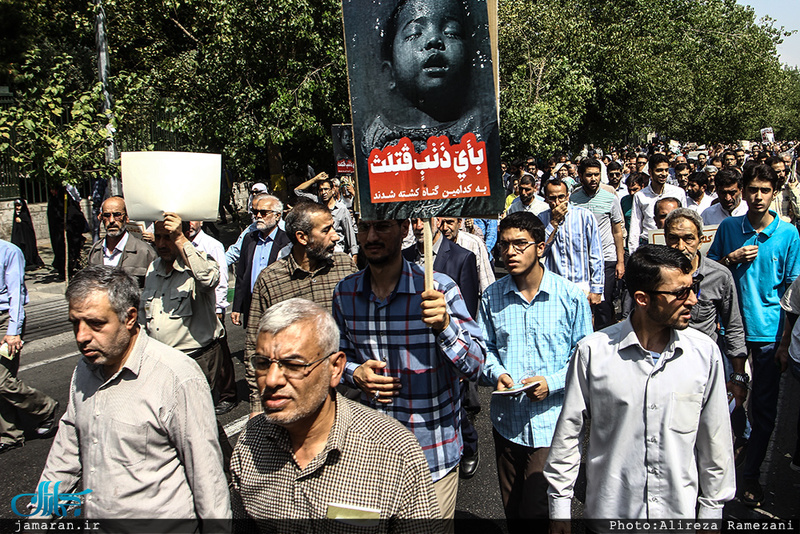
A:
{"x":24,"y":236}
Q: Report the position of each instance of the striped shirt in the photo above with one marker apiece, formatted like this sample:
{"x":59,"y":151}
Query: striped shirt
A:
{"x":575,"y":253}
{"x":526,"y":339}
{"x":429,"y":366}
{"x":605,"y":207}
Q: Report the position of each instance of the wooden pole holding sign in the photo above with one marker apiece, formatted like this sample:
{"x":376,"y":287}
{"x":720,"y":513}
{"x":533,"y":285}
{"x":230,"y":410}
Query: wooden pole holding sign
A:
{"x":427,"y":241}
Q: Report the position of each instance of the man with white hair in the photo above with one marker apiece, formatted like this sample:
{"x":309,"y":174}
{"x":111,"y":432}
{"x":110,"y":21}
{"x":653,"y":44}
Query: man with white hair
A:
{"x":315,"y":454}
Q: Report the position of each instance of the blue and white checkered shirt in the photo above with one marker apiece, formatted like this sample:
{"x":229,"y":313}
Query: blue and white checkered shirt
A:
{"x":526,"y":339}
{"x":429,"y":366}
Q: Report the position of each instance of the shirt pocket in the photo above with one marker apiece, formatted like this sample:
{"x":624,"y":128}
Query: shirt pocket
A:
{"x":179,"y":303}
{"x":128,"y":443}
{"x":147,"y":302}
{"x":685,"y":416}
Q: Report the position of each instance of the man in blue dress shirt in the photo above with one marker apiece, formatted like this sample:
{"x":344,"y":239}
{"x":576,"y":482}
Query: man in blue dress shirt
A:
{"x":531,"y":321}
{"x":15,"y":396}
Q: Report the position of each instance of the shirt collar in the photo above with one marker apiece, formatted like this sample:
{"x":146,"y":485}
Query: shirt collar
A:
{"x":628,"y":338}
{"x":133,"y":364}
{"x":295,"y":269}
{"x":336,"y":437}
{"x":120,"y":246}
{"x":546,"y":285}
{"x":270,"y":237}
{"x":747,"y":228}
{"x":404,"y":285}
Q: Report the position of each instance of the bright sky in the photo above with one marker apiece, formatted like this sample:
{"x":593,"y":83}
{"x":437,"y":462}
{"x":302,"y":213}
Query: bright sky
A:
{"x":787,"y":14}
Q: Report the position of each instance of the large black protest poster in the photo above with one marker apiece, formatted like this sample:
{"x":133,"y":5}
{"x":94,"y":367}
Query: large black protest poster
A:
{"x":423,"y":106}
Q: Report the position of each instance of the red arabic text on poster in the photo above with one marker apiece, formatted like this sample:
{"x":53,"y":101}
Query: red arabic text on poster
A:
{"x":398,"y":173}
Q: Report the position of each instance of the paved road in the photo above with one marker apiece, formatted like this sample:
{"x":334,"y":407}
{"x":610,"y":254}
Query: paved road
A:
{"x":50,"y":356}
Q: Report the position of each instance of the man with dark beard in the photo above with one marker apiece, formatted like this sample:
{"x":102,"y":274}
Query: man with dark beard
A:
{"x":310,"y":271}
{"x":119,"y":249}
{"x":661,"y":443}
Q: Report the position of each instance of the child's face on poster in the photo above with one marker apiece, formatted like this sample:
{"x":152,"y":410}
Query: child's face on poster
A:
{"x":429,"y":49}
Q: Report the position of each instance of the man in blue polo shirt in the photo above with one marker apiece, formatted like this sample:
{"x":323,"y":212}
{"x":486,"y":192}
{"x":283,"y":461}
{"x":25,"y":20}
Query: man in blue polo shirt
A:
{"x":762,"y":252}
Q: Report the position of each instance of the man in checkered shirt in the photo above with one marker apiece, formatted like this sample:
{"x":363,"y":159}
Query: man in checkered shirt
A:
{"x":315,"y":456}
{"x":407,"y":348}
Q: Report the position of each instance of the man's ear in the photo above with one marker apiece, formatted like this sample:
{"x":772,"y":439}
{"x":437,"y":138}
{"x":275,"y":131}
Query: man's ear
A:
{"x":388,"y":71}
{"x":338,"y":362}
{"x":641,"y":298}
{"x":132,"y":319}
{"x":302,"y":238}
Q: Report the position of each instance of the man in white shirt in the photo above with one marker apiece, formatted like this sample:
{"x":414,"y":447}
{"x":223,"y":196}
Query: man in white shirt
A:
{"x":696,"y":188}
{"x":729,"y":191}
{"x":226,"y":380}
{"x":655,"y":391}
{"x":642,"y":217}
{"x":527,"y":201}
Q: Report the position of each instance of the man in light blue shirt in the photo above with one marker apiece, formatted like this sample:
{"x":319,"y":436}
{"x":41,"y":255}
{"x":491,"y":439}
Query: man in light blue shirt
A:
{"x":531,"y":321}
{"x":15,"y":396}
{"x":763,"y":253}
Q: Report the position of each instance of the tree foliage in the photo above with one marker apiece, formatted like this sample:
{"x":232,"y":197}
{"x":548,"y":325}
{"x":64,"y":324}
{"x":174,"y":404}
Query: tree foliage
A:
{"x":247,"y":77}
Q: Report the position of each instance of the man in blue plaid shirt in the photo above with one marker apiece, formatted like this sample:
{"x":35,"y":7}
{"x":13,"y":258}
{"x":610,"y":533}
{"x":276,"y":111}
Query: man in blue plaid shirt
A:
{"x":531,"y":321}
{"x":408,"y":348}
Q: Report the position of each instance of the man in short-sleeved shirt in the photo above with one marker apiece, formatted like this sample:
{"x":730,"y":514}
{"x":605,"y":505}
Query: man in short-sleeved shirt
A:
{"x":606,"y":209}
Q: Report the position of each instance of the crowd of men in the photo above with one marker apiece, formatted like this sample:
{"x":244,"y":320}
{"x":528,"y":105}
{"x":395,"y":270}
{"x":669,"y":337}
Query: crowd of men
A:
{"x":370,"y":416}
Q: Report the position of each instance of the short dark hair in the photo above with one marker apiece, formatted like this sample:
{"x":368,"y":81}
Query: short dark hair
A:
{"x":523,"y":220}
{"x":527,"y":179}
{"x":762,"y":173}
{"x":555,"y":182}
{"x":299,"y":219}
{"x":613,"y":166}
{"x":656,"y":159}
{"x":122,"y":290}
{"x":682,"y":167}
{"x":588,"y":163}
{"x":643,"y":271}
{"x":639,"y":178}
{"x":699,"y":178}
{"x":773,"y":160}
{"x":726,"y":178}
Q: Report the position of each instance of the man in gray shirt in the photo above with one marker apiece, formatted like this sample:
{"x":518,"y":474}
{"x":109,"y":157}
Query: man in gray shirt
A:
{"x":717,"y":304}
{"x":140,"y":430}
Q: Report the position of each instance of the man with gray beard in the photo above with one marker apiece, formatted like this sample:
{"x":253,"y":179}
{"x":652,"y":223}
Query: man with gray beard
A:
{"x":118,"y":249}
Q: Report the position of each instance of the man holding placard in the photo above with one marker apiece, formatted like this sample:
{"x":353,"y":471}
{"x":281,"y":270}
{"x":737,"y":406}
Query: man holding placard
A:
{"x":178,"y":305}
{"x":407,"y":348}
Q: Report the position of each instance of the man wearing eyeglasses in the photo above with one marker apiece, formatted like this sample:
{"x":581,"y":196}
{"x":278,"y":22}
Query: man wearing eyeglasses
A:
{"x":260,"y":249}
{"x":573,"y":247}
{"x":717,"y":310}
{"x":118,"y":248}
{"x":660,"y":443}
{"x":531,"y":321}
{"x":338,"y":456}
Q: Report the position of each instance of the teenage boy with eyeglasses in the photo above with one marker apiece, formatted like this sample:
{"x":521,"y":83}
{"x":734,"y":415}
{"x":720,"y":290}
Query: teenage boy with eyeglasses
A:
{"x":118,"y":249}
{"x":531,"y":321}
